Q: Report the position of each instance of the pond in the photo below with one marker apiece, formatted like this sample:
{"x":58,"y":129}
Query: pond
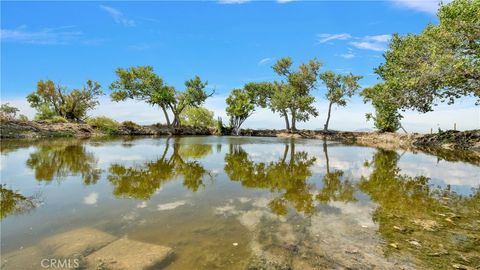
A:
{"x":237,"y":203}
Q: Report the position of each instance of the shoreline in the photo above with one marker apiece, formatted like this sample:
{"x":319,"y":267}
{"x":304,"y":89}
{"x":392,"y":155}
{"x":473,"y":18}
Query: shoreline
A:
{"x":468,"y":141}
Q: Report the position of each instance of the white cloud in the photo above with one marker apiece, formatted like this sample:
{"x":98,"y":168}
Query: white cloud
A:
{"x":322,"y":38}
{"x":428,"y":6}
{"x":45,"y":36}
{"x":228,"y":2}
{"x":348,"y":55}
{"x":378,"y":38}
{"x":170,"y":206}
{"x":375,"y":43}
{"x":118,"y":16}
{"x":91,"y":198}
{"x":264,"y":61}
{"x":373,"y":46}
{"x":284,"y":1}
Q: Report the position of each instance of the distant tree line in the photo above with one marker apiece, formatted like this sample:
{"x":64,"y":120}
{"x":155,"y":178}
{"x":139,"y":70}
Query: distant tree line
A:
{"x":440,"y":64}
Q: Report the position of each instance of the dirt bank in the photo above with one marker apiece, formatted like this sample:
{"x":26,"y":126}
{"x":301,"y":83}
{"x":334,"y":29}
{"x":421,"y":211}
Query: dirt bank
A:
{"x":441,"y":142}
{"x":42,"y":129}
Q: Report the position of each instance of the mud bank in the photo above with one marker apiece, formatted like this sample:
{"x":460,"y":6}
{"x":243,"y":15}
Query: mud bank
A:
{"x":443,"y":142}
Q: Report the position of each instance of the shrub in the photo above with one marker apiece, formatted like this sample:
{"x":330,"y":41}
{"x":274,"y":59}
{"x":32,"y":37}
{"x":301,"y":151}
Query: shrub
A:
{"x":130,"y":125}
{"x":44,"y":113}
{"x":197,"y":117}
{"x":23,"y":118}
{"x":103,"y":123}
{"x":8,"y":111}
{"x":58,"y":119}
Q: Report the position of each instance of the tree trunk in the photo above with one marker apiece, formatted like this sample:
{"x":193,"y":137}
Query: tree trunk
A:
{"x":176,"y":121}
{"x":325,"y":151}
{"x":292,"y":153}
{"x":325,"y":127}
{"x":166,"y":115}
{"x":294,"y":120}
{"x":287,"y":123}
{"x":285,"y":153}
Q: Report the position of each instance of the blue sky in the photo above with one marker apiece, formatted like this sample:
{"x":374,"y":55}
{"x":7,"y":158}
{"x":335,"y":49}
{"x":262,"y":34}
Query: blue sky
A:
{"x":228,"y":43}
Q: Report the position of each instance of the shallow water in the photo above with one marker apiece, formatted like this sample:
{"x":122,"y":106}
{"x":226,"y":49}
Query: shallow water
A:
{"x":243,"y":203}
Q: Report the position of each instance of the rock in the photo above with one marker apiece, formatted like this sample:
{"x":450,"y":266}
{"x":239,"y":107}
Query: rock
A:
{"x":415,"y":243}
{"x":130,"y":254}
{"x":399,"y":228}
{"x":394,"y":245}
{"x":81,"y":241}
{"x":70,"y":247}
{"x":438,"y":253}
{"x":460,"y":266}
{"x":428,"y":225}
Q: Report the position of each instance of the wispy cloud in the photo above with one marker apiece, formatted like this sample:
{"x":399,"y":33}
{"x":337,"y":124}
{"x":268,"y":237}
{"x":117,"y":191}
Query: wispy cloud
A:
{"x":45,"y":36}
{"x":118,"y":16}
{"x":348,"y":55}
{"x":428,"y":6}
{"x":229,"y":2}
{"x":284,"y":1}
{"x":322,"y":38}
{"x":264,"y":61}
{"x":374,"y":43}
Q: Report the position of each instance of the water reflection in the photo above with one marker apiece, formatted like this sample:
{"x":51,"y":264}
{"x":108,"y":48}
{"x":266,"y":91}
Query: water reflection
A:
{"x":13,"y":203}
{"x":287,"y":176}
{"x":335,"y":187}
{"x":61,"y":158}
{"x":142,"y":181}
{"x":437,"y":226}
{"x":327,"y":217}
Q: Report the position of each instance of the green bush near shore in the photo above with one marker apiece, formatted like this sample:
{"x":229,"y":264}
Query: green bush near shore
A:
{"x":105,"y":124}
{"x":130,"y":125}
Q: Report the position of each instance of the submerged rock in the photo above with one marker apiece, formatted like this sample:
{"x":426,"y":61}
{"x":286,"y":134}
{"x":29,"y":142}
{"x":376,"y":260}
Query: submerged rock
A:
{"x":130,"y":254}
{"x":81,"y":241}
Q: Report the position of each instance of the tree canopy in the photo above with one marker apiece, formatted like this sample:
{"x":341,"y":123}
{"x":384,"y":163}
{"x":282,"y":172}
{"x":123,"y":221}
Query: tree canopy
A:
{"x":442,"y":63}
{"x":52,"y":99}
{"x":339,"y":88}
{"x":141,"y":83}
{"x":386,"y":117}
{"x":291,"y":97}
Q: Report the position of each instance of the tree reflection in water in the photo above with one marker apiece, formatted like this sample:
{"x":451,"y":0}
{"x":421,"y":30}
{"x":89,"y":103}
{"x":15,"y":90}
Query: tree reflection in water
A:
{"x":141,"y":182}
{"x":13,"y":203}
{"x":60,"y":158}
{"x":287,"y":176}
{"x":437,"y":226}
{"x":335,"y":188}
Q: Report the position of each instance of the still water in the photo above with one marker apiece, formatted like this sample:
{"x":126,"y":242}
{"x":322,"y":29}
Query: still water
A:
{"x":240,"y":203}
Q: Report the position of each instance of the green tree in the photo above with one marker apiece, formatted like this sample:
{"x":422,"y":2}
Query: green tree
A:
{"x":52,"y":99}
{"x":291,"y":96}
{"x":8,"y":111}
{"x":339,"y":88}
{"x":193,"y":96}
{"x":442,"y":63}
{"x":141,"y":83}
{"x":197,"y":117}
{"x":240,"y":106}
{"x":386,"y":117}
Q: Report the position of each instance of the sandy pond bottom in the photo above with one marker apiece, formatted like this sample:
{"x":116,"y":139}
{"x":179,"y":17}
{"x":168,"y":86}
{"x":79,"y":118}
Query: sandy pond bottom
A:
{"x":235,"y":203}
